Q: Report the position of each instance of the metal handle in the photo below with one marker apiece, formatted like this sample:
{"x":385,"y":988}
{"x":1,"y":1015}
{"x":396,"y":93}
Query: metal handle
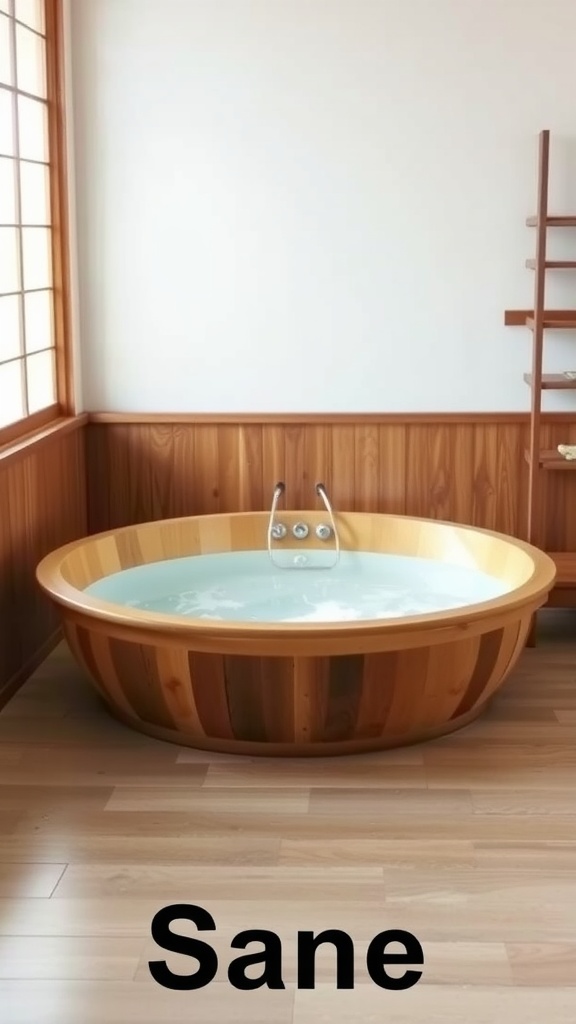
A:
{"x":323,"y":531}
{"x":300,"y":531}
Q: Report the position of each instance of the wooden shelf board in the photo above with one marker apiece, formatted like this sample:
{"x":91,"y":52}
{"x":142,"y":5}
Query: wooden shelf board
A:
{"x":559,"y":319}
{"x":553,"y":382}
{"x":552,"y":460}
{"x":565,"y":566}
{"x":567,"y":221}
{"x":550,"y":324}
{"x":553,"y":264}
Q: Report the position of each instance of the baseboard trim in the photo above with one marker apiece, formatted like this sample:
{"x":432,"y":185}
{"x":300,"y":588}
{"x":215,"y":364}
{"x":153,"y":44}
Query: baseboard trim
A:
{"x":343,"y":418}
{"x":30,"y":666}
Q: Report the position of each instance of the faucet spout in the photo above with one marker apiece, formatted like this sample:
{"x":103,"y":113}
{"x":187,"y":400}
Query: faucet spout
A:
{"x":276,"y":531}
{"x":321,"y":530}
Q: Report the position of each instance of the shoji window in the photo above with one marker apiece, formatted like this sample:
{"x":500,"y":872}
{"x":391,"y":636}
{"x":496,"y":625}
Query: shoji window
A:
{"x":34,"y":375}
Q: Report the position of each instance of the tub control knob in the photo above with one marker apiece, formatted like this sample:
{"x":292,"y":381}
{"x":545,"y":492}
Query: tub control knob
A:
{"x":300,"y":531}
{"x":323,"y":532}
{"x":278,"y":531}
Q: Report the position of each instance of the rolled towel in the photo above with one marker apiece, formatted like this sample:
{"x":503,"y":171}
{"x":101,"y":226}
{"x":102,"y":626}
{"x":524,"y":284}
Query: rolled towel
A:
{"x":567,"y":450}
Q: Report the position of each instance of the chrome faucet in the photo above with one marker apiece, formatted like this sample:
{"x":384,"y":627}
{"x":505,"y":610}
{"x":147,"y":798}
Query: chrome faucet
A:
{"x":276,"y":531}
{"x":300,"y":530}
{"x":323,"y":531}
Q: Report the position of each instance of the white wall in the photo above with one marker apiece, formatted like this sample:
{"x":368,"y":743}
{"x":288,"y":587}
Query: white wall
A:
{"x":296,"y":205}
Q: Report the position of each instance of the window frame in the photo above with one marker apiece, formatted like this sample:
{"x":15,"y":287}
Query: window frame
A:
{"x":59,"y":233}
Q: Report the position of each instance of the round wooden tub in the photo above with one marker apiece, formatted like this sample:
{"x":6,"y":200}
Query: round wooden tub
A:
{"x":297,"y":688}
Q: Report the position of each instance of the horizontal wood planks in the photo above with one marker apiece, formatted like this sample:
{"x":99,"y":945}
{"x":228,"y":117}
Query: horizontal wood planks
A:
{"x":465,"y":471}
{"x":42,"y":505}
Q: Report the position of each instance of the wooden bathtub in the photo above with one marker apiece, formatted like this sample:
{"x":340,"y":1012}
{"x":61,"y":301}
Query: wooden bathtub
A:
{"x":297,"y":688}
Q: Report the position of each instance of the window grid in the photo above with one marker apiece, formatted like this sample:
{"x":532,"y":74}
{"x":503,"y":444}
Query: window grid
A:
{"x":41,"y":252}
{"x":18,"y":206}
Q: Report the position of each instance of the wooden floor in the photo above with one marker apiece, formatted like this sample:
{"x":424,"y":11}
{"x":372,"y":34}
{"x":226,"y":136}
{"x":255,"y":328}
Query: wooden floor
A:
{"x":468,"y":842}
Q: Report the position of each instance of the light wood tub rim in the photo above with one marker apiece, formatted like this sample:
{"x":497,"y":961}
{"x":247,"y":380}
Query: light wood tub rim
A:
{"x":533,"y":591}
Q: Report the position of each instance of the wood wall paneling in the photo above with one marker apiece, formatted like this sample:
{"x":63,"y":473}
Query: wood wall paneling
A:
{"x":457,"y":468}
{"x":42,"y":506}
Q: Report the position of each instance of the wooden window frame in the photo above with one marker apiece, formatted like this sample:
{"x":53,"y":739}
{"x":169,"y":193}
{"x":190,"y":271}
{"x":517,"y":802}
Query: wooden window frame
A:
{"x":59,"y":233}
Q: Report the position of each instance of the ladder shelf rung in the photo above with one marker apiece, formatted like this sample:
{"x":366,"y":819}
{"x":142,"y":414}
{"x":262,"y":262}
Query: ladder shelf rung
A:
{"x":553,"y":222}
{"x":551,"y":325}
{"x":553,"y":382}
{"x":557,"y":319}
{"x":553,"y":264}
{"x":552,"y":460}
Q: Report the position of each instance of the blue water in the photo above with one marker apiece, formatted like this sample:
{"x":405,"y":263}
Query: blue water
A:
{"x":245,"y":587}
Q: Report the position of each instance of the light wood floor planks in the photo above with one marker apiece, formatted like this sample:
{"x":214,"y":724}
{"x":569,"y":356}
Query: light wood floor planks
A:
{"x":469,"y":842}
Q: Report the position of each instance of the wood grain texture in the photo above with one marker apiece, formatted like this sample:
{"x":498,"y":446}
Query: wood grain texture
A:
{"x":468,"y":842}
{"x":42,"y":505}
{"x":296,"y":689}
{"x":466,"y":469}
{"x":301,"y":706}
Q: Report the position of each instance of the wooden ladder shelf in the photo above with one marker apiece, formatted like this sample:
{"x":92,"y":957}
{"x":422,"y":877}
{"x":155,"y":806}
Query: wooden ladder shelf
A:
{"x":538,"y":320}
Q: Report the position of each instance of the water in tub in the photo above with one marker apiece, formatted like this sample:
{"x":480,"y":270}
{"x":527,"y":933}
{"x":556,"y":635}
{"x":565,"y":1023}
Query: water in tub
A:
{"x":246,"y":586}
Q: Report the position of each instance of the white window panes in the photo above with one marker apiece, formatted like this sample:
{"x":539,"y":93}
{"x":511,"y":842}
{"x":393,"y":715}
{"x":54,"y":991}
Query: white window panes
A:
{"x":38,"y":320}
{"x":7,"y":191}
{"x":9,"y":327}
{"x":30,"y":62}
{"x":33,"y":129}
{"x":6,"y":69}
{"x":5,"y":6}
{"x":9,"y":261}
{"x":12,"y":407}
{"x":41,"y":381}
{"x":6,"y":124}
{"x":31,"y":12}
{"x":36,"y":258}
{"x":34,"y":193}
